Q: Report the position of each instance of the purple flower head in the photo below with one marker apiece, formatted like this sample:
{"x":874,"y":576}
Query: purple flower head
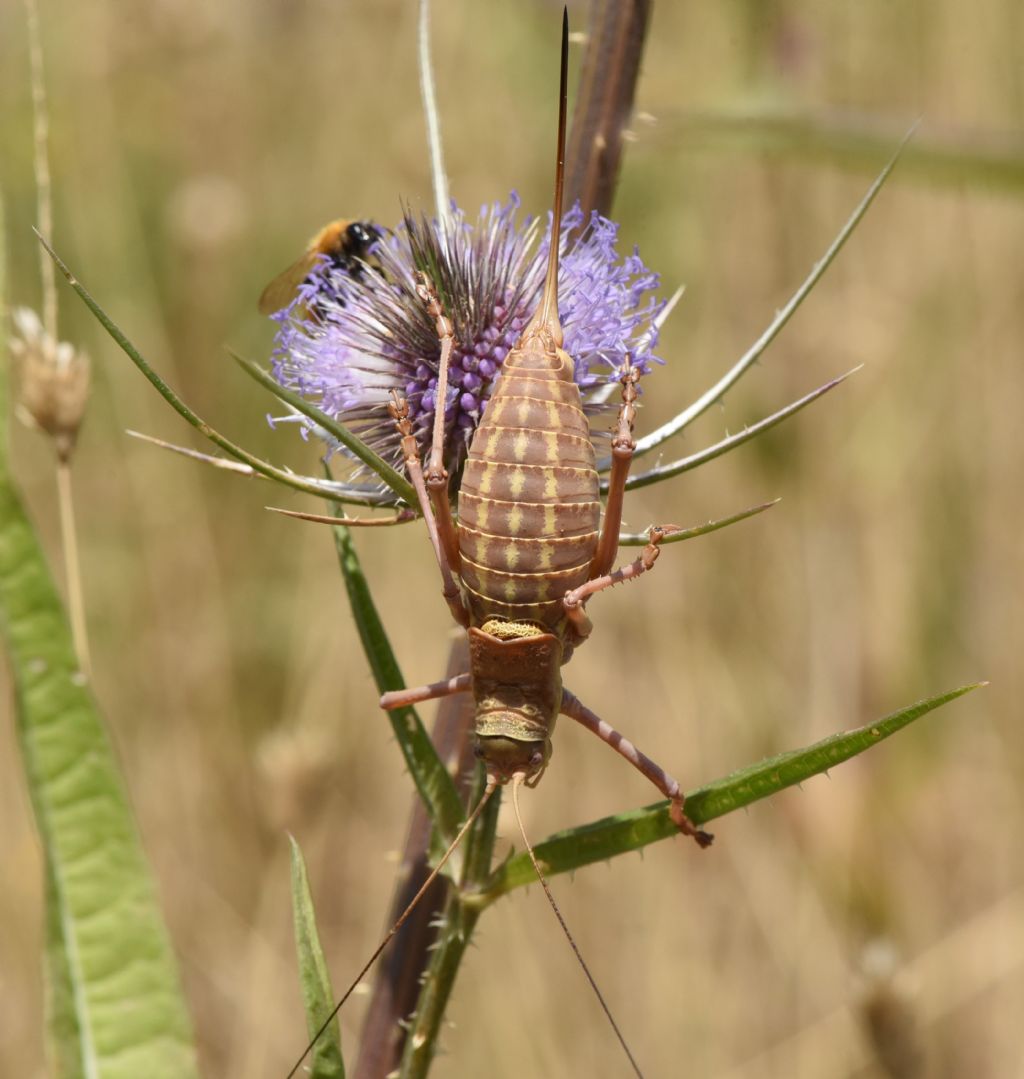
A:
{"x":352,"y":336}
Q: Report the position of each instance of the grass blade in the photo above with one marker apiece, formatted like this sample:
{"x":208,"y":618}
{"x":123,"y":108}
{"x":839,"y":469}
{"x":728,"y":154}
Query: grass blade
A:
{"x":625,"y":832}
{"x":317,"y":995}
{"x":854,"y":141}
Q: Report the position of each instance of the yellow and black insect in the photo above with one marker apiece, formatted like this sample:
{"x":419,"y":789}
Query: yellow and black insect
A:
{"x":345,"y":242}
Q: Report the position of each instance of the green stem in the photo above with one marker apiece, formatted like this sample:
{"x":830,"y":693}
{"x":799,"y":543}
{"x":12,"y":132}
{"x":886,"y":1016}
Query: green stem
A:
{"x":458,"y":922}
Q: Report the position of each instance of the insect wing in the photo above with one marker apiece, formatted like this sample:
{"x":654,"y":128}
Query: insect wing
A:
{"x":283,"y":289}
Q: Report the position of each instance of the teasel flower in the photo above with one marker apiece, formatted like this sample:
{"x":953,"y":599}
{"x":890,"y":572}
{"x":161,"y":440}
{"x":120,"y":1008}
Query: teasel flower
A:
{"x":353,"y":336}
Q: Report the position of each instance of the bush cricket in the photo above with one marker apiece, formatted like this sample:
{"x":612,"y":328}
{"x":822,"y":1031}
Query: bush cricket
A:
{"x":530,"y":546}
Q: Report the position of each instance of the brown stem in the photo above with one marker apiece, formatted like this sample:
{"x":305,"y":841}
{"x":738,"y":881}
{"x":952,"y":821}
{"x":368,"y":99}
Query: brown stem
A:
{"x":604,"y":102}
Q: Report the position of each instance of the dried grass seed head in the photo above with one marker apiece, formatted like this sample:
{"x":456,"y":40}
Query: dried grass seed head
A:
{"x":53,"y":381}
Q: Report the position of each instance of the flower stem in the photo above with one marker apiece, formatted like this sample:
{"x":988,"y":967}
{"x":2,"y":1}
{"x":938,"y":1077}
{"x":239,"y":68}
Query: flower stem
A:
{"x":41,"y":166}
{"x":421,"y":1044}
{"x":72,"y":570}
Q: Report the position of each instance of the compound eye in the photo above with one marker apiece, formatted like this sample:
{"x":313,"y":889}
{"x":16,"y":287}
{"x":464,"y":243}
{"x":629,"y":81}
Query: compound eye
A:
{"x":536,"y":759}
{"x":478,"y":752}
{"x":361,"y":233}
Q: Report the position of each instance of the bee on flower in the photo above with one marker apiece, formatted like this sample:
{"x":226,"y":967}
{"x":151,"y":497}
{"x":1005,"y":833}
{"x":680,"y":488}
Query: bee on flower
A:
{"x":347,"y":340}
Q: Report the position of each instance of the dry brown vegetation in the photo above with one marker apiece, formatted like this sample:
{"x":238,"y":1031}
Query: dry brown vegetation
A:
{"x":195,"y":147}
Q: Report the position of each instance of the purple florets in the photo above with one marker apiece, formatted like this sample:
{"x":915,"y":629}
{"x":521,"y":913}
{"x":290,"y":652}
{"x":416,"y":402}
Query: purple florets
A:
{"x":351,"y":337}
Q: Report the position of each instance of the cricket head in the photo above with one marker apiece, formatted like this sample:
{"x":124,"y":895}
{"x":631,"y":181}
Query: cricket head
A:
{"x":504,"y":757}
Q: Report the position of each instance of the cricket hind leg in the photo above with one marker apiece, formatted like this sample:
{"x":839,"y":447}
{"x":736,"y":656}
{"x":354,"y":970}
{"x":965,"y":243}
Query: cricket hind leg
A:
{"x":669,"y":787}
{"x":402,"y":698}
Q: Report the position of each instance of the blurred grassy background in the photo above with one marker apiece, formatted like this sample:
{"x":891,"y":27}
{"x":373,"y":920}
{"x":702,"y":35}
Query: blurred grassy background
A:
{"x":195,"y":147}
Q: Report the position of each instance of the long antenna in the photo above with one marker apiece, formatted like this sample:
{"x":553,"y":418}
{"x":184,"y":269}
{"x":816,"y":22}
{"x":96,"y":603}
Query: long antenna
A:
{"x":488,"y":791}
{"x":517,"y":781}
{"x":547,"y":316}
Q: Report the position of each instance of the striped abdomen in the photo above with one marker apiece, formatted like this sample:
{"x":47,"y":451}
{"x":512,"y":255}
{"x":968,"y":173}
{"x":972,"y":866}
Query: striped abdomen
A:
{"x":528,"y":503}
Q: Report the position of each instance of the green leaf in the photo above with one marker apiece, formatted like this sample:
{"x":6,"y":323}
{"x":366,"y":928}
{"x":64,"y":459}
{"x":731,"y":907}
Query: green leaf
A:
{"x":603,"y":839}
{"x":432,"y":780}
{"x":115,"y":1008}
{"x":317,"y":995}
{"x":398,"y":483}
{"x":61,"y":1018}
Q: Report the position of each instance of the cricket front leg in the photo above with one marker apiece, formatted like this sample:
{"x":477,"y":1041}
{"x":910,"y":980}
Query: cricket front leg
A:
{"x":436,"y":474}
{"x":399,"y":410}
{"x":669,"y":787}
